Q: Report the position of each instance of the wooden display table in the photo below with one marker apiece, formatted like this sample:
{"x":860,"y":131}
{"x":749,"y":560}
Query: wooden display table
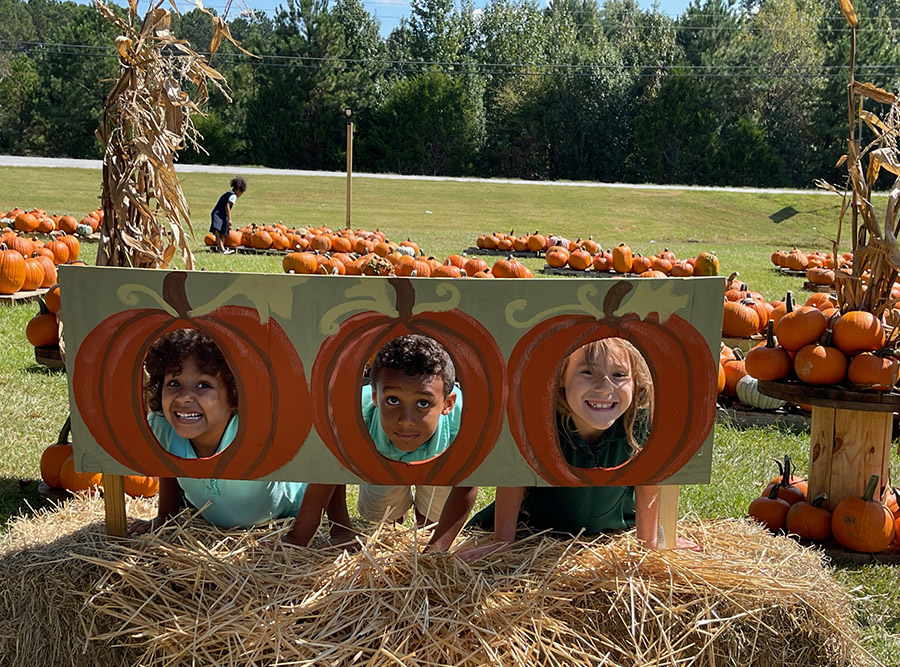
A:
{"x":849,"y":439}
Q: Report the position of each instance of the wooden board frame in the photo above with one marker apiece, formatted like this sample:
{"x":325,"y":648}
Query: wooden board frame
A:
{"x":318,"y":327}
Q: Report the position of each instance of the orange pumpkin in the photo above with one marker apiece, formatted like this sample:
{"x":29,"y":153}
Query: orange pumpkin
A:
{"x":809,"y":520}
{"x":54,"y":455}
{"x":857,"y":331}
{"x":770,"y":510}
{"x":74,"y":481}
{"x":622,"y":258}
{"x":863,"y":523}
{"x":139,"y":486}
{"x":12,"y":271}
{"x":769,"y":361}
{"x":42,"y":330}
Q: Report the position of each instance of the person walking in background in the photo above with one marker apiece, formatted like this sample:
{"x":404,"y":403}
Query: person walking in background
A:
{"x":220,"y":223}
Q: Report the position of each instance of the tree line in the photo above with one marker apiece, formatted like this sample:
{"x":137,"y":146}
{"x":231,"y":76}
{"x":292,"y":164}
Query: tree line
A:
{"x":749,"y":94}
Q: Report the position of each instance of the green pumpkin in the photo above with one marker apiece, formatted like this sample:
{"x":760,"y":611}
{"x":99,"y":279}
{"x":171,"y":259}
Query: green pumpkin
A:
{"x":748,"y":393}
{"x":83,"y":230}
{"x":706,"y":264}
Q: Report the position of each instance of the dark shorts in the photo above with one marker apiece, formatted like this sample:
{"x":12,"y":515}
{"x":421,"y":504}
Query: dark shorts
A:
{"x":221,"y":225}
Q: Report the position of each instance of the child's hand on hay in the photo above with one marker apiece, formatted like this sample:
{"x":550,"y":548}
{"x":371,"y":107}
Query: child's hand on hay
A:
{"x":682,"y":543}
{"x":469,"y":554}
{"x":141,"y":526}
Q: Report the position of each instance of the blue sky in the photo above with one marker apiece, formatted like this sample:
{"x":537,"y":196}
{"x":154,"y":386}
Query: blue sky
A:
{"x":389,"y":12}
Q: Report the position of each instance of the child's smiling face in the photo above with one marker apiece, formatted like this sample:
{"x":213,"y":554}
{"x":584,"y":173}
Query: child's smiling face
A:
{"x":410,"y":406}
{"x":598,"y":393}
{"x":196,"y":405}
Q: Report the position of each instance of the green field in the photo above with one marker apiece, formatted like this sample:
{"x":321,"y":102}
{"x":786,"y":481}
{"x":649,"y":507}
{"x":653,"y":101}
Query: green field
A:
{"x":446,"y":217}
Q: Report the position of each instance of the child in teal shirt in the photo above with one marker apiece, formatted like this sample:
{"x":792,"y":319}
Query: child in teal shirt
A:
{"x":192,"y":397}
{"x":412,"y":410}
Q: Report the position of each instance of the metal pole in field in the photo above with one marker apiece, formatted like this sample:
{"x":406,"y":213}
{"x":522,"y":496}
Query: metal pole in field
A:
{"x":349,"y":114}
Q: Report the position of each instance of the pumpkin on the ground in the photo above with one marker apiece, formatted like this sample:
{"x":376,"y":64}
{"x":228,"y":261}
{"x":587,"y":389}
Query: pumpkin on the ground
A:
{"x":74,"y":481}
{"x":863,"y":523}
{"x":53,"y":456}
{"x":809,"y":520}
{"x":770,"y":510}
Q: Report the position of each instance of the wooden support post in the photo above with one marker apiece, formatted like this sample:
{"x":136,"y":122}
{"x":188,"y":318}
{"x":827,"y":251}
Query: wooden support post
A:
{"x":114,"y":501}
{"x":349,"y":164}
{"x":847,"y":447}
{"x":668,"y":516}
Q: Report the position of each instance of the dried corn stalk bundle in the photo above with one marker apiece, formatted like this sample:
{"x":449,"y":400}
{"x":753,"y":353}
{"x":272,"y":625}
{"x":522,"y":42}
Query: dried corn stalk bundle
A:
{"x":146,"y":121}
{"x":876,"y":257}
{"x":193,"y":594}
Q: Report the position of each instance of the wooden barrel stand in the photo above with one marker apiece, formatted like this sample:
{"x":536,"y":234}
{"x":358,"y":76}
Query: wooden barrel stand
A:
{"x":850,"y":436}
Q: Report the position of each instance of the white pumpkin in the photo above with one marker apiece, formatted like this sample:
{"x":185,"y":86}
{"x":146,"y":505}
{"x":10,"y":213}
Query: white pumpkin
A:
{"x":406,"y":250}
{"x":748,"y":393}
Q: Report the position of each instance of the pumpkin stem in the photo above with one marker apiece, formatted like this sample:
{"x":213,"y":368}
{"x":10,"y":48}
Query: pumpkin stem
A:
{"x":614,"y":296}
{"x":786,"y":473}
{"x":174,"y":293}
{"x":773,"y":492}
{"x":406,"y":296}
{"x":770,"y":335}
{"x":64,"y":433}
{"x":789,"y":302}
{"x":869,"y":491}
{"x":819,"y":500}
{"x":43,"y":310}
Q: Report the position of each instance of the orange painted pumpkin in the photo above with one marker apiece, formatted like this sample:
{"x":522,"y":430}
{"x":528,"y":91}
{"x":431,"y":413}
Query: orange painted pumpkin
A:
{"x":684,"y":378}
{"x":337,"y":383}
{"x":108,"y":388}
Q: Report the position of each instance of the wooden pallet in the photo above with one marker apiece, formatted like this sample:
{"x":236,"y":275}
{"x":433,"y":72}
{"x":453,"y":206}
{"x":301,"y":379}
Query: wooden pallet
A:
{"x":22,"y":297}
{"x":789,"y":272}
{"x":810,"y":287}
{"x":50,"y":495}
{"x":589,"y":273}
{"x":243,"y":250}
{"x":839,"y":555}
{"x":49,"y":357}
{"x":743,"y":417}
{"x":745,"y":344}
{"x":502,"y":253}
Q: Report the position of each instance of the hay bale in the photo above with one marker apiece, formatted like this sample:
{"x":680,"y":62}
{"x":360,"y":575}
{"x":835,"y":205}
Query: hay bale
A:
{"x":194,"y":594}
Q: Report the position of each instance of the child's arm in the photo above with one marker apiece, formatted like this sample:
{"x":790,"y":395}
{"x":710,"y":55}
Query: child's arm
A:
{"x":646,"y":514}
{"x":169,"y":504}
{"x":507,"y":504}
{"x":228,"y":212}
{"x":453,"y":517}
{"x":316,"y":498}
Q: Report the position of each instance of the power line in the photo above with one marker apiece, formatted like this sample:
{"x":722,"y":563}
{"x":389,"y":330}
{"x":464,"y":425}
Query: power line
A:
{"x":508,"y":69}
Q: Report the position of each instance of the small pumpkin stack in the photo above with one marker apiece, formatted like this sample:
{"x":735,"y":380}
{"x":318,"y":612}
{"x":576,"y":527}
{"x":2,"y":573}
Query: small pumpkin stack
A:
{"x":819,"y":345}
{"x":319,"y":239}
{"x":401,"y":261}
{"x":621,"y":259}
{"x":864,"y":524}
{"x":58,"y":471}
{"x":28,"y":264}
{"x":746,"y":312}
{"x":38,"y":221}
{"x":798,"y":260}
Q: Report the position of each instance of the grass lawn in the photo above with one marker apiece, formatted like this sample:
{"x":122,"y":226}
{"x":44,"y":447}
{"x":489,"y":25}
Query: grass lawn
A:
{"x":445,"y":217}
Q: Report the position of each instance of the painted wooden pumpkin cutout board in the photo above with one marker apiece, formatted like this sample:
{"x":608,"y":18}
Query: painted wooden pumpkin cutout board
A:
{"x":297,"y":346}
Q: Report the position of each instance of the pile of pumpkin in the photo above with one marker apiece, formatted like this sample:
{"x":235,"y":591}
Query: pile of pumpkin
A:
{"x":814,"y":343}
{"x":746,"y":312}
{"x":38,"y":221}
{"x":58,"y":471}
{"x":29,"y":263}
{"x":321,"y":239}
{"x":42,"y":330}
{"x":535,"y":243}
{"x":389,"y":259}
{"x":819,"y":266}
{"x":819,"y":345}
{"x":865,"y":524}
{"x":589,"y":256}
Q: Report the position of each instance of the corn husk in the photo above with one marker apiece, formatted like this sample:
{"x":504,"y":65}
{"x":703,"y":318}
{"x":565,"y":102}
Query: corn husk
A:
{"x":193,"y":594}
{"x":146,"y":121}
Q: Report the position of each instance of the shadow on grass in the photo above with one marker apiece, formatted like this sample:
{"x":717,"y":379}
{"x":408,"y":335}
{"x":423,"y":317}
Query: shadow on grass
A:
{"x":18,"y":497}
{"x":39,"y":369}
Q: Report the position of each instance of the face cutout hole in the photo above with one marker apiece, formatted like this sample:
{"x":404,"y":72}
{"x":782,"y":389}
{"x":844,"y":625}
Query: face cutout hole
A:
{"x":604,"y":404}
{"x":190,"y":394}
{"x":412,"y":404}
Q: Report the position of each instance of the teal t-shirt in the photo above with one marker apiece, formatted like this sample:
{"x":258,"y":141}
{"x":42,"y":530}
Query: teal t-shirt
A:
{"x":448,"y":427}
{"x":233,"y":502}
{"x":592,"y":509}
